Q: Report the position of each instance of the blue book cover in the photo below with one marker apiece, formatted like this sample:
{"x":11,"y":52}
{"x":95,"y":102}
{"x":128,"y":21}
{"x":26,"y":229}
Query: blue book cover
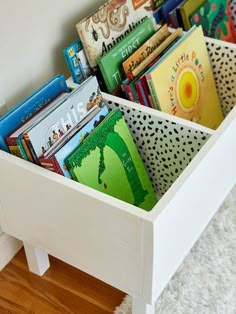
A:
{"x":15,"y":139}
{"x":29,"y":106}
{"x":74,"y":141}
{"x":77,"y":62}
{"x":45,"y":133}
{"x":167,"y":7}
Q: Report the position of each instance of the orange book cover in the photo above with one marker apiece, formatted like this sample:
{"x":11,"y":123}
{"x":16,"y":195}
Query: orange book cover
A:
{"x":145,"y":50}
{"x":182,"y":82}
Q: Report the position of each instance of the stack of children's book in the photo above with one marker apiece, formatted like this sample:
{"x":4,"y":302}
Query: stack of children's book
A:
{"x":122,"y":50}
{"x":151,"y":64}
{"x":215,"y":16}
{"x":72,"y":133}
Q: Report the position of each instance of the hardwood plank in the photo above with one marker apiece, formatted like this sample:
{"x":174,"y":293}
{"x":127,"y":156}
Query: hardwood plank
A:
{"x":62,"y":289}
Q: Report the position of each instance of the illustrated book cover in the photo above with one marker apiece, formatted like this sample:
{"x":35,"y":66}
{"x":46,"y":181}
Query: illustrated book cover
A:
{"x":30,"y":105}
{"x":113,"y":74}
{"x":186,"y":9}
{"x":170,"y":40}
{"x":145,"y":50}
{"x":108,"y":161}
{"x":103,"y":29}
{"x":45,"y":133}
{"x":54,"y":159}
{"x":182,"y":82}
{"x":167,"y":7}
{"x":216,"y":19}
{"x":15,"y":141}
{"x":77,"y":62}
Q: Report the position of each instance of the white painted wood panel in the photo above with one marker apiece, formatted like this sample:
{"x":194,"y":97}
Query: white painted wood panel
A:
{"x":73,"y":223}
{"x":37,"y":259}
{"x":186,"y":209}
{"x":9,"y":246}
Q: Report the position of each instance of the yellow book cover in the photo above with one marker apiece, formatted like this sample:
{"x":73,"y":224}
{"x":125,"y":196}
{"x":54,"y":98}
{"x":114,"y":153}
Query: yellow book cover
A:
{"x":182,"y":82}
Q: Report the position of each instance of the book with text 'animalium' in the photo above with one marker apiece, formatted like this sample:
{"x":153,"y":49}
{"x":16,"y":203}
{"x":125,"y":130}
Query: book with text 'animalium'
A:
{"x":103,"y":29}
{"x":45,"y":133}
{"x":182,"y":83}
{"x":30,"y":105}
{"x":111,"y":63}
{"x":54,"y":160}
{"x":108,"y":161}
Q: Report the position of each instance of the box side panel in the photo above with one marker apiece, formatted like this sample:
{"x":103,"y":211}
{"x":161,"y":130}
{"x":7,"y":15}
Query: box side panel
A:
{"x":53,"y":213}
{"x":223,"y":56}
{"x":189,"y":205}
{"x":167,"y":144}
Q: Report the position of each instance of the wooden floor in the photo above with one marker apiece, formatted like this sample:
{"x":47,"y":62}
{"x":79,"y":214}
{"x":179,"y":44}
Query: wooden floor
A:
{"x":62,"y":289}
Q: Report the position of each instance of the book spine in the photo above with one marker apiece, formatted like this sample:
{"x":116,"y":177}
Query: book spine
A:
{"x":74,"y":77}
{"x":153,"y":92}
{"x":30,"y":146}
{"x":129,"y":93}
{"x":21,"y":147}
{"x":105,"y":77}
{"x":50,"y":164}
{"x":141,"y":94}
{"x":26,"y":149}
{"x":13,"y":147}
{"x":146,"y":90}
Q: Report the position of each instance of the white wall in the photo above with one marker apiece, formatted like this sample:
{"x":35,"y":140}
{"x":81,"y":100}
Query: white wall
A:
{"x":32,"y":36}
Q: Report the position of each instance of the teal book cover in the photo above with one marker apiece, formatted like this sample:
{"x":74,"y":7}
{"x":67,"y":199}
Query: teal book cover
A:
{"x":108,"y":161}
{"x":216,"y":19}
{"x":111,"y":63}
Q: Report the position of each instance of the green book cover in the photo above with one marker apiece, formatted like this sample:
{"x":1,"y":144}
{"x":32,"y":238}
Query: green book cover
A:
{"x":108,"y":161}
{"x":111,"y":63}
{"x":187,"y":8}
{"x":216,"y":20}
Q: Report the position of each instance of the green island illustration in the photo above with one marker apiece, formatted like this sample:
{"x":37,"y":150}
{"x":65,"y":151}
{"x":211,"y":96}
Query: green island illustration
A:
{"x":106,"y":136}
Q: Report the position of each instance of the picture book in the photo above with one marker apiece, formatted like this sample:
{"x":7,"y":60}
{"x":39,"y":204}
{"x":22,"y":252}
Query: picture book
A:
{"x":157,"y":4}
{"x":54,"y":160}
{"x":145,"y":50}
{"x":130,"y":90}
{"x":186,"y":9}
{"x":13,"y":140}
{"x":216,"y":19}
{"x":157,"y":16}
{"x":103,"y":29}
{"x":167,"y":7}
{"x":182,"y":82}
{"x":30,"y":105}
{"x":113,"y":74}
{"x":45,"y":133}
{"x":77,"y":62}
{"x":141,"y":93}
{"x":157,"y":52}
{"x":175,"y":20}
{"x":108,"y":161}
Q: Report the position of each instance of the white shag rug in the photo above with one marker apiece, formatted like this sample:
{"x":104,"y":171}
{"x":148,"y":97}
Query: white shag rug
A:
{"x":205,"y":283}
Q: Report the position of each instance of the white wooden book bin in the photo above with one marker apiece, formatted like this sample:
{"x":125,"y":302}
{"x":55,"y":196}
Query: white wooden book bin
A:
{"x":191,"y":167}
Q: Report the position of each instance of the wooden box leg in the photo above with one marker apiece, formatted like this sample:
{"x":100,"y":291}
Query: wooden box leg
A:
{"x":140,"y":307}
{"x":38,"y":261}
